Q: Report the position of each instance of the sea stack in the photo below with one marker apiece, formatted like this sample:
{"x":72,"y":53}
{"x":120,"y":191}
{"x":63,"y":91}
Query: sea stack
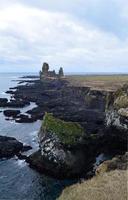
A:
{"x":46,"y":73}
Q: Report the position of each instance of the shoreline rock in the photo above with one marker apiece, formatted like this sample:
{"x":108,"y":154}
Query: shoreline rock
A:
{"x":9,"y":147}
{"x":11,"y":113}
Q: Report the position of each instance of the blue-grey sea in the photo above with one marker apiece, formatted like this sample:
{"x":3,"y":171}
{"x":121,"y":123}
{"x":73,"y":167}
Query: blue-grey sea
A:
{"x":17,"y":180}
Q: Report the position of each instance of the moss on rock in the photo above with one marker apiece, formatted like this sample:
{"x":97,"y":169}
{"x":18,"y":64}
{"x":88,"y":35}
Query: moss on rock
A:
{"x":121,"y":102}
{"x":68,"y":132}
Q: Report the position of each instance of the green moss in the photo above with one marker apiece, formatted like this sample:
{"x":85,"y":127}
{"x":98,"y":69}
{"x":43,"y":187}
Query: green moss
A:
{"x":67,"y":132}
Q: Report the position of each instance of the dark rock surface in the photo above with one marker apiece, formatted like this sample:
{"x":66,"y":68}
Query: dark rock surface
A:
{"x":22,"y":118}
{"x":11,"y":113}
{"x":26,"y":148}
{"x":9,"y":146}
{"x":61,"y":158}
{"x":3,"y":102}
{"x":78,"y":104}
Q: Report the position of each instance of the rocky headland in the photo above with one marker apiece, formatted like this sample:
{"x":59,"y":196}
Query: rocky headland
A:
{"x":78,"y":124}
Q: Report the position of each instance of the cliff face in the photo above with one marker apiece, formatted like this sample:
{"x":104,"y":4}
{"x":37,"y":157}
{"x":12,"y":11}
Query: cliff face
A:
{"x":99,"y":124}
{"x":100,"y":114}
{"x":62,"y":152}
{"x":117,"y":109}
{"x":117,"y":117}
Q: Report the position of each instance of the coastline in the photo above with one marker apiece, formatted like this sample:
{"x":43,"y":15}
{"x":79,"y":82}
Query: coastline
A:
{"x":56,"y":97}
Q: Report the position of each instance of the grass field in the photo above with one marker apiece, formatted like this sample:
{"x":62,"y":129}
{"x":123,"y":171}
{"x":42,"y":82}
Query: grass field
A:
{"x":109,"y":186}
{"x":100,"y":82}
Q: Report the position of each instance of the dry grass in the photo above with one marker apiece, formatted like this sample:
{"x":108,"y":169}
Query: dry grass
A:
{"x":100,"y":82}
{"x":109,"y":186}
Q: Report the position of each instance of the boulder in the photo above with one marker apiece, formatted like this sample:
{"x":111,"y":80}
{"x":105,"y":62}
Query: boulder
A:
{"x":9,"y":146}
{"x":11,"y":113}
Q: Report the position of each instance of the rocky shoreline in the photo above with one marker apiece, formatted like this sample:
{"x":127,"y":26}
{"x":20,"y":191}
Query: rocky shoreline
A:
{"x":100,"y":115}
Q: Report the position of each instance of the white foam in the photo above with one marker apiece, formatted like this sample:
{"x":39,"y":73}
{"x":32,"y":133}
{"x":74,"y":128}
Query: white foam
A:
{"x":21,"y":163}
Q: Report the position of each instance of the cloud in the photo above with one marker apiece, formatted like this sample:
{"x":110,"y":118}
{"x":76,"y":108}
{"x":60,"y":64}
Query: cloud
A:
{"x":31,"y":35}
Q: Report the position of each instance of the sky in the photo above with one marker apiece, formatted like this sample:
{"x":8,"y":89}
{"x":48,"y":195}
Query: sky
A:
{"x":78,"y":35}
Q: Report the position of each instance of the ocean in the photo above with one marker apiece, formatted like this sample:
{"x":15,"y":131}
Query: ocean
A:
{"x":17,"y":180}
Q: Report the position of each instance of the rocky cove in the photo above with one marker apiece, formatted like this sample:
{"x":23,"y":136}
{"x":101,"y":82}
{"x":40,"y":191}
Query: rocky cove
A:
{"x":78,"y":124}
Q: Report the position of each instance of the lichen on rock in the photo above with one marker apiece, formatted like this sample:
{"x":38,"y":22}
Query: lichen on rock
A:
{"x":121,"y":102}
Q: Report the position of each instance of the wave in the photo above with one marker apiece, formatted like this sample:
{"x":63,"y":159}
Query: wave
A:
{"x":21,"y":163}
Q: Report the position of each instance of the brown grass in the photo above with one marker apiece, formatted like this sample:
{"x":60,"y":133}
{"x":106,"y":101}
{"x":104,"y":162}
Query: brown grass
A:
{"x":100,"y":82}
{"x":109,"y":186}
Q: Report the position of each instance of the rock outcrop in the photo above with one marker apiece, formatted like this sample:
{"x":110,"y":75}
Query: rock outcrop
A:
{"x":61,"y":153}
{"x":45,"y":73}
{"x":117,"y":110}
{"x":9,"y":146}
{"x":102,"y":116}
{"x":58,"y":147}
{"x":118,"y":162}
{"x":116,"y":117}
{"x":11,"y":113}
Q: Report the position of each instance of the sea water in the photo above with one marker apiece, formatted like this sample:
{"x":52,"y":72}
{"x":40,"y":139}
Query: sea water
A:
{"x":17,"y":180}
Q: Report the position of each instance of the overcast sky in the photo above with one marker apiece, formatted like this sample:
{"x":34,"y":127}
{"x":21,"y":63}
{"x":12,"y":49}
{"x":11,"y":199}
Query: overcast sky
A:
{"x":79,"y":35}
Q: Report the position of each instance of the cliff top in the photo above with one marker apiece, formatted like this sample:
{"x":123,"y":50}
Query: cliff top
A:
{"x":98,"y":82}
{"x":67,"y":132}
